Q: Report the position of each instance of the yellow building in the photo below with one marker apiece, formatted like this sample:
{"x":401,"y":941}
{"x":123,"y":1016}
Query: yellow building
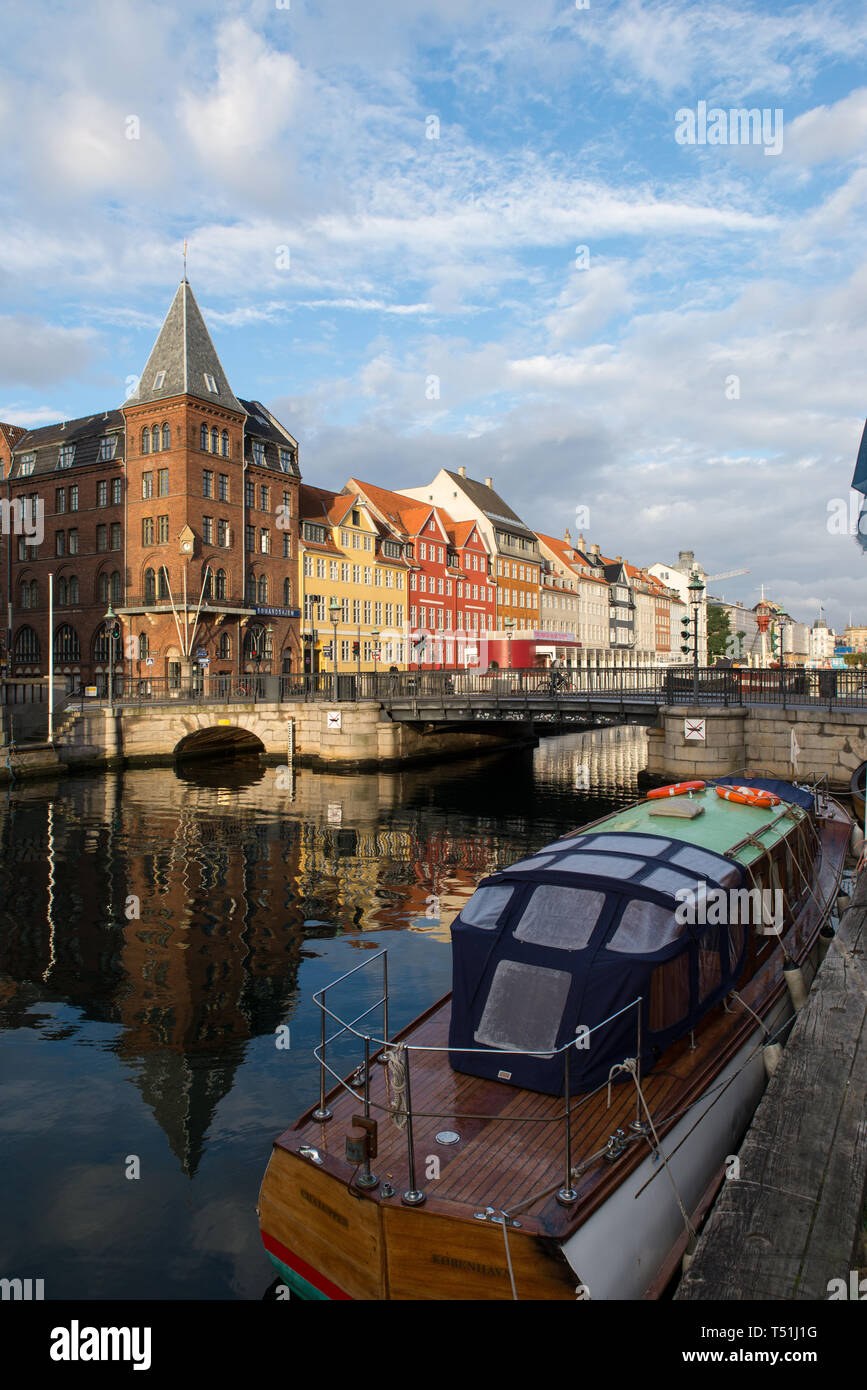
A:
{"x":346,"y":553}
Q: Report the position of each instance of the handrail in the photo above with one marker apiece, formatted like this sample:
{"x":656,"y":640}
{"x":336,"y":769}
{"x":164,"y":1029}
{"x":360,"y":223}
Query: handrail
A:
{"x":414,"y":1196}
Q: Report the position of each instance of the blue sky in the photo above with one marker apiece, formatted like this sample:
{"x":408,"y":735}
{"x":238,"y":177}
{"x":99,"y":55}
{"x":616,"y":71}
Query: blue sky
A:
{"x":601,"y":379}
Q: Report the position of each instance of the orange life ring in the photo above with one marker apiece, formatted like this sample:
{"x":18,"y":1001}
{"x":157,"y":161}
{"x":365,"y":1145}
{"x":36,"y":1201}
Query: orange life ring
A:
{"x":749,"y":796}
{"x":677,"y":789}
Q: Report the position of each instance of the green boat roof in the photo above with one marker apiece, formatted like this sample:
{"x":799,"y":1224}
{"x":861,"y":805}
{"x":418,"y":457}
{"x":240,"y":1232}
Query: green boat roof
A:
{"x":722,"y":825}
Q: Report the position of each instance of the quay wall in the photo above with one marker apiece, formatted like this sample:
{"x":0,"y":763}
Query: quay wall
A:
{"x":769,"y":741}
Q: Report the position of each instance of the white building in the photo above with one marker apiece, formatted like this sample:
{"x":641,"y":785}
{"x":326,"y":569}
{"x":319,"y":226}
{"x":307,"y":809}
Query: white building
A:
{"x":678,"y":577}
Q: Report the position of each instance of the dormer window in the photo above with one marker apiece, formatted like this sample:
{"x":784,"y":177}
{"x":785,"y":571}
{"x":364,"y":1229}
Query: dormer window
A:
{"x":26,"y":465}
{"x":286,"y":460}
{"x":107,"y":447}
{"x":159,"y":381}
{"x":66,"y":456}
{"x":211,"y":384}
{"x":258,"y":452}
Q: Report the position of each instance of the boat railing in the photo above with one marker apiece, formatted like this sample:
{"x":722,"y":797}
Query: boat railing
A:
{"x":385,"y":1048}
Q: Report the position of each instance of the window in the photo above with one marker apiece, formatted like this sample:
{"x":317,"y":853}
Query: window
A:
{"x":287,"y":593}
{"x":249,"y":538}
{"x":225,"y":443}
{"x":60,"y":499}
{"x":287,"y":546}
{"x":102,"y":537}
{"x":669,"y":993}
{"x":265,"y":542}
{"x":207,"y":482}
{"x":224,"y":647}
{"x":250,"y":495}
{"x":147,"y":485}
{"x":215,"y":440}
{"x":72,"y":539}
{"x":26,"y":465}
{"x":204,"y":437}
{"x":66,"y":644}
{"x":264,"y":499}
{"x":107,"y":448}
{"x":258,"y":452}
{"x":211,"y":384}
{"x":159,"y":381}
{"x":368,"y":542}
{"x":163,"y":482}
{"x":208,"y":587}
{"x":73,"y":498}
{"x":102,"y":494}
{"x":150,"y":588}
{"x":162,"y":585}
{"x":207,"y":530}
{"x":145,"y":441}
{"x":144,"y":650}
{"x":422,"y":550}
{"x":286,"y":460}
{"x":115,"y":536}
{"x":250,"y":592}
{"x":221,"y":584}
{"x":66,"y":456}
{"x":167,"y":437}
{"x":115,"y":587}
{"x":162,"y":530}
{"x":524,"y":1007}
{"x":262,"y":590}
{"x":224,"y":487}
{"x":155,"y":439}
{"x":147,"y":532}
{"x":223,"y":533}
{"x":116,"y":492}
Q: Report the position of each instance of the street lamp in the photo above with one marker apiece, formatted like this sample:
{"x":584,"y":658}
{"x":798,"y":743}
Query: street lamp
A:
{"x":110,"y":622}
{"x":696,"y":589}
{"x":374,"y":632}
{"x":508,"y":624}
{"x":335,"y":608}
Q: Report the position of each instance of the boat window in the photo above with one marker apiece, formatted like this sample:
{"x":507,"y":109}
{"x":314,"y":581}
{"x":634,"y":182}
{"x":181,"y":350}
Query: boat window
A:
{"x":486,"y":905}
{"x":647,"y":845}
{"x":605,"y":865}
{"x":666,"y":880}
{"x":669,"y":993}
{"x":524,"y":1007}
{"x":708,"y":865}
{"x":709,"y":967}
{"x":560,"y":917}
{"x":736,"y":943}
{"x":645,"y":927}
{"x":539,"y":861}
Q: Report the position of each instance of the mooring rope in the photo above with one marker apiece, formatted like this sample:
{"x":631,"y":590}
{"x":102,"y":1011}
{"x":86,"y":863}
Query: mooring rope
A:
{"x":509,"y":1254}
{"x":630,"y":1067}
{"x":396,"y":1070}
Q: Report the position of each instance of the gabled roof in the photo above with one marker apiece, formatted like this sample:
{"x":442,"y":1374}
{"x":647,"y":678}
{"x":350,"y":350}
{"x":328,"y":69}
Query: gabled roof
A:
{"x":460,"y":532}
{"x":184,"y":351}
{"x":405,"y":514}
{"x":84,"y":433}
{"x":12,"y":433}
{"x":491,"y":503}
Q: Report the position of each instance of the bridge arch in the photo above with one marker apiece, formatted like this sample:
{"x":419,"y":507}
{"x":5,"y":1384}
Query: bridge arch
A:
{"x":223,"y":741}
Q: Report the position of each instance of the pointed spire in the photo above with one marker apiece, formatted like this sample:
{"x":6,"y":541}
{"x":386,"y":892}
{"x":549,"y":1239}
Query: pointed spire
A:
{"x":183,"y":360}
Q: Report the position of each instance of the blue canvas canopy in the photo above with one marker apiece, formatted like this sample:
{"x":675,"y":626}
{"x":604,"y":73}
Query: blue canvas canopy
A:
{"x":569,"y":937}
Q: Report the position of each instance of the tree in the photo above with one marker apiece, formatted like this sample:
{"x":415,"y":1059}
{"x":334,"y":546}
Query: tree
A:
{"x":718,"y":630}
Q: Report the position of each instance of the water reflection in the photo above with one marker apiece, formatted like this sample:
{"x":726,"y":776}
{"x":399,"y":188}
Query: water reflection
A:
{"x":167,"y":924}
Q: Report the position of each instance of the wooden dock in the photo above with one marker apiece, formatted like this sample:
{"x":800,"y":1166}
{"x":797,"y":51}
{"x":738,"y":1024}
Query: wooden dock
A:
{"x":791,"y":1221}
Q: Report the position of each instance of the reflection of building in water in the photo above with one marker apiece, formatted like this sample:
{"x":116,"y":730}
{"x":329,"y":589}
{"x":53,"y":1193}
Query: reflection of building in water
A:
{"x":597,"y":760}
{"x":231,"y":876}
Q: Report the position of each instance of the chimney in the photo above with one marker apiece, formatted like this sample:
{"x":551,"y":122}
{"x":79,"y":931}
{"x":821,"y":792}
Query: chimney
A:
{"x":582,"y":544}
{"x":489,"y":482}
{"x":594,"y":551}
{"x":618,"y":559}
{"x":462,"y":471}
{"x":567,"y":538}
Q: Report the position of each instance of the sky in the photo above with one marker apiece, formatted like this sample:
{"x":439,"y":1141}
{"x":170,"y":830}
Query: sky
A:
{"x":434,"y":234}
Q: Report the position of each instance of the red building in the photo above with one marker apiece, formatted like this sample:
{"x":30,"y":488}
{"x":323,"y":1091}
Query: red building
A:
{"x":170,"y":530}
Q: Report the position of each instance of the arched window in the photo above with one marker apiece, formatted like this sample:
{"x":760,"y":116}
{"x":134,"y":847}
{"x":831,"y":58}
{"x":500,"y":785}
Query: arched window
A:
{"x":225,"y":444}
{"x":287,"y":593}
{"x":24,"y":594}
{"x":145,"y":441}
{"x":103,"y":588}
{"x":215,"y":440}
{"x":254,"y":642}
{"x":221,"y":583}
{"x":162,"y":585}
{"x":155,"y":439}
{"x":26,"y":645}
{"x":150,"y":586}
{"x":262,"y":590}
{"x":224,"y":647}
{"x":167,"y":437}
{"x":73,"y":589}
{"x":66,"y":644}
{"x":34,"y":593}
{"x":208,"y":588}
{"x":143,"y":647}
{"x":115,"y":587}
{"x":250,"y":594}
{"x":62,"y":593}
{"x":203,"y":437}
{"x":102,"y":645}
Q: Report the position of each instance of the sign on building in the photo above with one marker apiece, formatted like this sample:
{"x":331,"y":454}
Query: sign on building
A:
{"x":333,"y":719}
{"x":693,"y":730}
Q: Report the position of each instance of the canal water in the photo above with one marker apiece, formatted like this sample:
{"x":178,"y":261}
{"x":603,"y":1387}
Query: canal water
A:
{"x":161,"y":935}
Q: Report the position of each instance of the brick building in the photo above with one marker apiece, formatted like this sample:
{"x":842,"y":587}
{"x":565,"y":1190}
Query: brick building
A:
{"x":170,"y":530}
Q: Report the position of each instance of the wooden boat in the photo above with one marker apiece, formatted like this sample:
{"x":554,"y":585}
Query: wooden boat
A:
{"x":557,"y":1126}
{"x":857,"y":791}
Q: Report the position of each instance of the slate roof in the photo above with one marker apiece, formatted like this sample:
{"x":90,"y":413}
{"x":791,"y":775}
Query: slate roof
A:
{"x":184,"y":351}
{"x":262,"y":425}
{"x":84,"y":433}
{"x":492,"y":504}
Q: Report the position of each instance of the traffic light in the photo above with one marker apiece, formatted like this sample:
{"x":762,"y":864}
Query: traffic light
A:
{"x":356,"y":648}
